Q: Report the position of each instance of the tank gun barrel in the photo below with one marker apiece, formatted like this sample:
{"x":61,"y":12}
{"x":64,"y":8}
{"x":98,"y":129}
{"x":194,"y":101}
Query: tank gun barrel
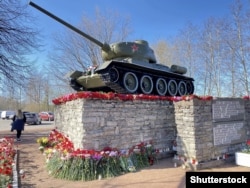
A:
{"x":68,"y":25}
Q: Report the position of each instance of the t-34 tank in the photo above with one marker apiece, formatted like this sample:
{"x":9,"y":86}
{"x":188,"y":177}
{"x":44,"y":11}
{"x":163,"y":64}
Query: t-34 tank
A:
{"x":129,"y":67}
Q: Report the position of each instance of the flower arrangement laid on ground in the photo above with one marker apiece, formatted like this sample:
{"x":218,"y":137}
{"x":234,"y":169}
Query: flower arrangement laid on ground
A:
{"x":246,"y":148}
{"x":124,"y":97}
{"x":65,"y":162}
{"x":7,"y":154}
{"x":43,"y":142}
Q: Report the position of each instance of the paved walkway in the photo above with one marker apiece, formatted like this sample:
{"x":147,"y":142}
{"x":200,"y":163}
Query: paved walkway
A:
{"x":162,"y":174}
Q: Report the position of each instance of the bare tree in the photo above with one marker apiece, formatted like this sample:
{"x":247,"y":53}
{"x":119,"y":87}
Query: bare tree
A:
{"x":211,"y":51}
{"x":35,"y":88}
{"x":216,"y":53}
{"x":185,"y":52}
{"x":17,"y":39}
{"x":240,"y":44}
{"x":73,"y":52}
{"x":186,"y":46}
{"x":230,"y":71}
{"x":163,"y":52}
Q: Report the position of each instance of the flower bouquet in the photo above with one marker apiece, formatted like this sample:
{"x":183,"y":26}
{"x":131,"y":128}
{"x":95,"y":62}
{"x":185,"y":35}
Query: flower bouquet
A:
{"x":123,"y":97}
{"x":246,"y":148}
{"x":243,"y":157}
{"x":43,"y":142}
{"x":65,"y":162}
{"x":7,"y":154}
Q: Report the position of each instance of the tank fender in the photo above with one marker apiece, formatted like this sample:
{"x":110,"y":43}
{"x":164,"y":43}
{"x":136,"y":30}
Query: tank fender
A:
{"x":178,"y":69}
{"x":103,"y":66}
{"x":74,"y":74}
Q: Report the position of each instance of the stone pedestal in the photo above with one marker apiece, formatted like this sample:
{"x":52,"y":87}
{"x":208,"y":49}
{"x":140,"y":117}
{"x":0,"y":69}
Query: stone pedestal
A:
{"x":95,"y":123}
{"x":204,"y":129}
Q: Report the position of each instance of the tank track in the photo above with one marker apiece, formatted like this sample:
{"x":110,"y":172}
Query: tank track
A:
{"x":117,"y":86}
{"x":112,"y":85}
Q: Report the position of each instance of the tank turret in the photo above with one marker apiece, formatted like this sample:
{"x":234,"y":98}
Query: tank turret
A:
{"x":129,"y":67}
{"x":112,"y":51}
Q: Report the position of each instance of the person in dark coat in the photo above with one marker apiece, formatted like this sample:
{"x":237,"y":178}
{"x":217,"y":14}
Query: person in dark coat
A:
{"x":19,"y":121}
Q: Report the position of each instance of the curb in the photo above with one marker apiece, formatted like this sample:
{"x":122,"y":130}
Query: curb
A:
{"x":15,"y":181}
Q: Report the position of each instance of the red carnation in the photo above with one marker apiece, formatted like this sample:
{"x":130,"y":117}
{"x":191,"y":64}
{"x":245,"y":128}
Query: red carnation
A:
{"x":248,"y":142}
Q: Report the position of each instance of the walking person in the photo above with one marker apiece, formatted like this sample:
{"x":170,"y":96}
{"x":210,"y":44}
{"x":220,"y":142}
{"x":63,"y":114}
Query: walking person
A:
{"x":19,"y":120}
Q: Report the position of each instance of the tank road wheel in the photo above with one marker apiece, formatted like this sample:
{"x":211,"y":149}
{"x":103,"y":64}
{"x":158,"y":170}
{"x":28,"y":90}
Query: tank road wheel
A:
{"x":161,"y":86}
{"x":182,"y":88}
{"x":114,"y":74}
{"x":190,"y":88}
{"x":130,"y":82}
{"x":172,"y":88}
{"x":146,"y":84}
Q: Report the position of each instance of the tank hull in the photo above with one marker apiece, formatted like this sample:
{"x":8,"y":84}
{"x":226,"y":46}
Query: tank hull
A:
{"x":91,"y":82}
{"x":111,"y":76}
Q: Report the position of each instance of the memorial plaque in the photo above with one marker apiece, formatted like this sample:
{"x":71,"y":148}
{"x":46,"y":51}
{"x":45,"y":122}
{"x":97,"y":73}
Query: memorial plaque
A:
{"x":229,"y":133}
{"x":228,"y":110}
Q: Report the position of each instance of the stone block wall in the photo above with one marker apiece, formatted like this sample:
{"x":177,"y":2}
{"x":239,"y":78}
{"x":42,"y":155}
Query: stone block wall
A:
{"x":95,"y":123}
{"x":209,"y":129}
{"x":194,"y":127}
{"x":204,"y":129}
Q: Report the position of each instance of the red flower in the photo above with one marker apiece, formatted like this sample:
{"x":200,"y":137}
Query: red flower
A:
{"x":176,"y":99}
{"x":124,"y":97}
{"x":206,"y":98}
{"x":7,"y":153}
{"x":248,"y":142}
{"x":109,"y":95}
{"x":107,"y":149}
{"x":56,"y":101}
{"x":151,"y":160}
{"x":246,"y":97}
{"x":84,"y":94}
